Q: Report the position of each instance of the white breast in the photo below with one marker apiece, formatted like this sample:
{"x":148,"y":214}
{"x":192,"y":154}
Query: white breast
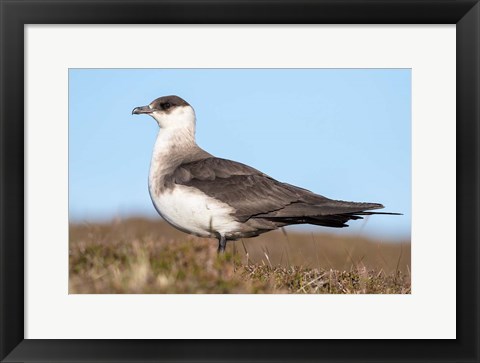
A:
{"x":192,"y":211}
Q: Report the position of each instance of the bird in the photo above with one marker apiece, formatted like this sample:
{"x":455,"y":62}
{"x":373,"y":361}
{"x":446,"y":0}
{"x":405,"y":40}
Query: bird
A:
{"x":211,"y":197}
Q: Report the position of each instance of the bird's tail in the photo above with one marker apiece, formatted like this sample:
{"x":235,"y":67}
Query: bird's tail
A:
{"x":333,"y":220}
{"x":336,"y":215}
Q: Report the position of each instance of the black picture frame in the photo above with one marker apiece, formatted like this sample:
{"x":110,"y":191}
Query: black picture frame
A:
{"x":15,"y":14}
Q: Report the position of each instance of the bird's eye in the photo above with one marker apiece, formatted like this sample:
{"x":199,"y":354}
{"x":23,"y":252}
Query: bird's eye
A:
{"x":166,"y":106}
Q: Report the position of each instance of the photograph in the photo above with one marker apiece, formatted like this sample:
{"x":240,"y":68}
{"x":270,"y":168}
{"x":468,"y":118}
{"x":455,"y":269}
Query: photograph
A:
{"x":239,"y":181}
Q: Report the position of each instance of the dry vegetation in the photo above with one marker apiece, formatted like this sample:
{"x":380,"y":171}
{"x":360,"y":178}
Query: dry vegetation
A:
{"x":150,"y":257}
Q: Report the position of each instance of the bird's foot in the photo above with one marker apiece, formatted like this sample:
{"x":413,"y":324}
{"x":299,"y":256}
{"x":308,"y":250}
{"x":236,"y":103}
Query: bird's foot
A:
{"x":222,"y":243}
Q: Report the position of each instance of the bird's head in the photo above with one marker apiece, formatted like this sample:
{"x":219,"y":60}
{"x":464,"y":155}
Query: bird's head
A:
{"x":169,"y":112}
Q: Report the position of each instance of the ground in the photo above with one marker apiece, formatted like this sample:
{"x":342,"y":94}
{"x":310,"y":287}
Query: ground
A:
{"x":149,"y":257}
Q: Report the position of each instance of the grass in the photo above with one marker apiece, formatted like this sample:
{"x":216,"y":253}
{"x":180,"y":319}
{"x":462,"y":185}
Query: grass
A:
{"x":149,"y":257}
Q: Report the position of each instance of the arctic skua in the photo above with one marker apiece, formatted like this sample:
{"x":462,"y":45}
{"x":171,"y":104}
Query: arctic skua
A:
{"x":207,"y":196}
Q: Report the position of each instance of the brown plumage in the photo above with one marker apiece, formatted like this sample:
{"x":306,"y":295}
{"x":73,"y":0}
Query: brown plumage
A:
{"x":255,"y":195}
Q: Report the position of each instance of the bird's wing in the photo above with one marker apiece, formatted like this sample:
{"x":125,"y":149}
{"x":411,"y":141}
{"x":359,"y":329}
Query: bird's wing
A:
{"x":252,"y":193}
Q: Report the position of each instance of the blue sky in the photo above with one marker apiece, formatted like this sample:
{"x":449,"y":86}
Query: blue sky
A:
{"x":342,"y":133}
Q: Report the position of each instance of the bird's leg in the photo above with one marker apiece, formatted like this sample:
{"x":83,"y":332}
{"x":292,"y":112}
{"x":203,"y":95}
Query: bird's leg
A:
{"x":222,"y":243}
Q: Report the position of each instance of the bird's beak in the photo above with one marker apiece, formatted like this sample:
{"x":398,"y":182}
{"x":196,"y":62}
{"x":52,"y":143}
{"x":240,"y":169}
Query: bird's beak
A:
{"x":141,"y":109}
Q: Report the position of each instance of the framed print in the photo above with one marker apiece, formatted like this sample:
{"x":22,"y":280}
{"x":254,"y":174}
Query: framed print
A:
{"x":280,"y":124}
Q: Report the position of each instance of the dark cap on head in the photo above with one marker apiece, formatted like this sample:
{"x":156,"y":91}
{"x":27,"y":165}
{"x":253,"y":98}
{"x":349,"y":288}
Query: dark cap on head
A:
{"x":172,"y":100}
